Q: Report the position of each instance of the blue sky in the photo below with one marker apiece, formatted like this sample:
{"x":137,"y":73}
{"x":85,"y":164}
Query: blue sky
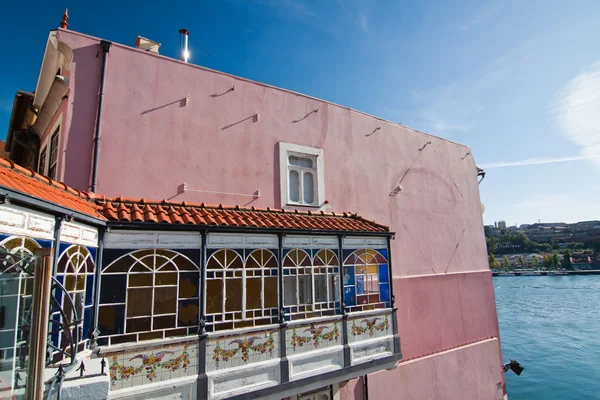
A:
{"x":518,"y":81}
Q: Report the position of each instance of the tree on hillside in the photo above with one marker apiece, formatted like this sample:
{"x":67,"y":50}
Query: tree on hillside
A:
{"x":547,"y":262}
{"x":520,"y":260}
{"x":494,"y":264}
{"x":488,"y":231}
{"x":555,"y":260}
{"x":567,"y":260}
{"x":536,"y":261}
{"x":506,"y":262}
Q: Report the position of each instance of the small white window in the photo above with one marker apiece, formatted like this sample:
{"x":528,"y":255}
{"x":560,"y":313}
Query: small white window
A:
{"x":301,"y":170}
{"x":52,"y":170}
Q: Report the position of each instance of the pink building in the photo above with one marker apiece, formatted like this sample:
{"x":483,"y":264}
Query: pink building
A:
{"x":126,"y":121}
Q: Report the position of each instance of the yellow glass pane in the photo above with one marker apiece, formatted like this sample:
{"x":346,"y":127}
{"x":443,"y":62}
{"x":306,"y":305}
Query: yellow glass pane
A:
{"x":162,"y":278}
{"x":372,"y":269}
{"x":80,"y":282}
{"x":361,"y":269}
{"x":253,"y":289}
{"x":70,"y":283}
{"x":214,"y":296}
{"x":233,"y":295}
{"x":165,"y":300}
{"x":271,"y":298}
{"x":139,"y":302}
{"x":140,"y":279}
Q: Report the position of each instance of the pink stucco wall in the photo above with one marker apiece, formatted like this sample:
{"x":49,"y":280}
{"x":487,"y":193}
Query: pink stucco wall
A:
{"x":465,"y":373}
{"x":151,"y":143}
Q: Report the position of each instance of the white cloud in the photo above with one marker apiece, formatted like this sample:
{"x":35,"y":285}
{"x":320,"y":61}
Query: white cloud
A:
{"x":531,"y":161}
{"x":576,"y":108}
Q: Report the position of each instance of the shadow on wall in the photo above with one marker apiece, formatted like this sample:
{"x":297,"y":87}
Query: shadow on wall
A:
{"x":87,"y":63}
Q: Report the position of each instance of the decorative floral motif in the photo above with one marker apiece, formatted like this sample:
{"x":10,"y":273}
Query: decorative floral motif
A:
{"x":150,"y":364}
{"x":244,"y":345}
{"x":317,"y":336}
{"x":371,"y":326}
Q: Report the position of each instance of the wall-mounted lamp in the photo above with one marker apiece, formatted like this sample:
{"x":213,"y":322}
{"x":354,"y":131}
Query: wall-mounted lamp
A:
{"x":514,"y":366}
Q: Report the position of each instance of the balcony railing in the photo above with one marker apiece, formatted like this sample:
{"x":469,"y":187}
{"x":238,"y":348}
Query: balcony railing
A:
{"x":238,"y":362}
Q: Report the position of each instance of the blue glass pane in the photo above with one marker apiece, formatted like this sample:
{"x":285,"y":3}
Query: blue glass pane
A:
{"x":188,"y":312}
{"x":388,"y":304}
{"x":384,"y":273}
{"x":360,"y":287}
{"x":111,"y":320}
{"x":209,"y":318}
{"x":349,"y":296}
{"x":286,"y":310}
{"x":336,"y":270}
{"x":384,"y":292}
{"x":384,"y":253}
{"x":285,"y":251}
{"x":346,"y":253}
{"x":286,"y":271}
{"x":54,"y":328}
{"x":274,"y":272}
{"x":348,"y":276}
{"x":92,"y":251}
{"x":60,"y":278}
{"x":45,"y":243}
{"x":112,"y":288}
{"x":3,"y":236}
{"x":274,"y":320}
{"x":87,"y":322}
{"x":62,"y":247}
{"x":89,"y":290}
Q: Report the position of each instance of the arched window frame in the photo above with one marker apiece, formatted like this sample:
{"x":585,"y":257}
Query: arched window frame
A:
{"x":303,"y":278}
{"x":366,"y":280}
{"x":20,"y":246}
{"x":156,"y":272}
{"x":232,"y":273}
{"x":75,"y":271}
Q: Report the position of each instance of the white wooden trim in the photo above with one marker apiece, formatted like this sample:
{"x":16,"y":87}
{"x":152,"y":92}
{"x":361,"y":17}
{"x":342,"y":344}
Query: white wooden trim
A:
{"x":75,"y":233}
{"x":129,"y":239}
{"x":15,"y":220}
{"x":238,"y":241}
{"x":286,"y":149}
{"x":364,"y":242}
{"x":313,"y":242}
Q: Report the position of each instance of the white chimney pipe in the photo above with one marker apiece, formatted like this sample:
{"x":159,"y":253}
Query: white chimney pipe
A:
{"x":185,"y":53}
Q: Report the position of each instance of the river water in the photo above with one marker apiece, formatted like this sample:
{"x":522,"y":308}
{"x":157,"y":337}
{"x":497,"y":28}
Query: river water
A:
{"x":551,"y":325}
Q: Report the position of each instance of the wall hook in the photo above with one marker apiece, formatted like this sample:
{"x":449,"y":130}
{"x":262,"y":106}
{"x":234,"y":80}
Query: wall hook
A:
{"x":425,"y":145}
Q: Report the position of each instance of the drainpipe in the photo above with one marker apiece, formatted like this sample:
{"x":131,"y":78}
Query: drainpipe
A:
{"x":105,"y":46}
{"x":365,"y":387}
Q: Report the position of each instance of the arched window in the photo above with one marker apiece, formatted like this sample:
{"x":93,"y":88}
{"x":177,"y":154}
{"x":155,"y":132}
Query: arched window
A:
{"x":149,"y":294}
{"x":366,"y":280}
{"x":326,"y":273}
{"x":311,"y":286}
{"x":240,"y":292}
{"x":75,"y":271}
{"x":16,"y":289}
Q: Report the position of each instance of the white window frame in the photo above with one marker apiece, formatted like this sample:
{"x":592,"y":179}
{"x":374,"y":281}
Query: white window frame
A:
{"x":285,"y":151}
{"x":42,"y":168}
{"x":55,"y":133}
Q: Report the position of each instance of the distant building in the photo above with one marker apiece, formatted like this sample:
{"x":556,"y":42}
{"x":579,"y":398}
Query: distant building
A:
{"x":501,"y":224}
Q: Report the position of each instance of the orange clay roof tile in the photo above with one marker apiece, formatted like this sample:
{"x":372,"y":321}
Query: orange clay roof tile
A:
{"x":141,"y":210}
